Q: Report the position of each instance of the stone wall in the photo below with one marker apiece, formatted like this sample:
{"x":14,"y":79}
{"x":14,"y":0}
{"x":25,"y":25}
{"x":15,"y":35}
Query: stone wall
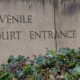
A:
{"x":30,"y":26}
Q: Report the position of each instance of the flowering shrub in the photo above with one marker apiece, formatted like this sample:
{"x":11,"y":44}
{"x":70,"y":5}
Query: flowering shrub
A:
{"x":63,"y":65}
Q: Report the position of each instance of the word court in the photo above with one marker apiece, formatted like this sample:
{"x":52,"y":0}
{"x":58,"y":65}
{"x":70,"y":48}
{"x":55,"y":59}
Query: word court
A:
{"x":10,"y":35}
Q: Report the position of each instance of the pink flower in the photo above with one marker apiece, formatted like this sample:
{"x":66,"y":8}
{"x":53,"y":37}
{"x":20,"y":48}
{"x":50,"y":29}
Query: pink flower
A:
{"x":34,"y":55}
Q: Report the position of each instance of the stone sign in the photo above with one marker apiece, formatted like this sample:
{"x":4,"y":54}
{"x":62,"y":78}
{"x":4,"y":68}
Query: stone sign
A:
{"x":30,"y":26}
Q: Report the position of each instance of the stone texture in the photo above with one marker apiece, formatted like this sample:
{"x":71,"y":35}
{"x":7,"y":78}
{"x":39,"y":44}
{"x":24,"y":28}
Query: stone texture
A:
{"x":47,"y":15}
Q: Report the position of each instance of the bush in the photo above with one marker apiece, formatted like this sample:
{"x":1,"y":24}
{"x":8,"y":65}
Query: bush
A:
{"x":61,"y":65}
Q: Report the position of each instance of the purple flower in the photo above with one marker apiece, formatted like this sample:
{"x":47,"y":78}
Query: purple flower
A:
{"x":11,"y":69}
{"x":21,"y":64}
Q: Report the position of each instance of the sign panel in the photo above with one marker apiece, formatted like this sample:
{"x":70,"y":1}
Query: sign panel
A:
{"x":26,"y":27}
{"x":30,"y":26}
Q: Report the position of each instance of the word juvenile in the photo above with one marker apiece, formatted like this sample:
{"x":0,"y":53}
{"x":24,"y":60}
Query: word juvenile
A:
{"x":15,"y":19}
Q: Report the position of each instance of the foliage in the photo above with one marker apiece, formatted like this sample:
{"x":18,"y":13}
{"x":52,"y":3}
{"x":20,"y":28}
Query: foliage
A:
{"x":61,"y":65}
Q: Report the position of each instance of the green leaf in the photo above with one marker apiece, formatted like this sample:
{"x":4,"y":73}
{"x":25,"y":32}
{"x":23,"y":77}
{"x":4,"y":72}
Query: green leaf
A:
{"x":40,"y":60}
{"x":32,"y":78}
{"x":65,"y":51}
{"x":68,"y":76}
{"x":11,"y":58}
{"x":20,"y":58}
{"x":61,"y":56}
{"x":5,"y":77}
{"x":53,"y":52}
{"x":20,"y":73}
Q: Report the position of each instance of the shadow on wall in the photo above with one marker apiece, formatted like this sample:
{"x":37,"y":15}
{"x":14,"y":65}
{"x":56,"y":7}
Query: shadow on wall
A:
{"x":70,"y":7}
